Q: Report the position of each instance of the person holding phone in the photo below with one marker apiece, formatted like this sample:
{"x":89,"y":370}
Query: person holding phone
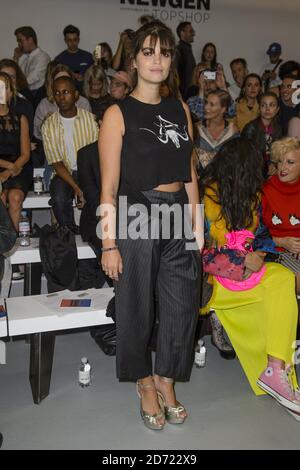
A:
{"x":121,"y":59}
{"x":145,"y":147}
{"x":103,"y":55}
{"x":16,"y":171}
{"x":209,"y":57}
{"x":207,"y":83}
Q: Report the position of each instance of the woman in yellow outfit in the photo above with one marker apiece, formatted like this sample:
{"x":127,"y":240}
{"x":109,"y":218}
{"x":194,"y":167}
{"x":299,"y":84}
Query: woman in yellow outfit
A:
{"x":261,"y":321}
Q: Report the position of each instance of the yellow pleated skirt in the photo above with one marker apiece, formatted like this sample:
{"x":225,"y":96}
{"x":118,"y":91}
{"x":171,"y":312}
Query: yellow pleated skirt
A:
{"x":261,"y":321}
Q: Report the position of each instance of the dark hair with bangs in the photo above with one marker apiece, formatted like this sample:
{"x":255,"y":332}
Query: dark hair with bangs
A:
{"x":236,"y":170}
{"x":156,"y":30}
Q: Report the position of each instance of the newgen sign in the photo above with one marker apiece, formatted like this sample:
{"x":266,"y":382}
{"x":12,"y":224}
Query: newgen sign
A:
{"x":196,"y":11}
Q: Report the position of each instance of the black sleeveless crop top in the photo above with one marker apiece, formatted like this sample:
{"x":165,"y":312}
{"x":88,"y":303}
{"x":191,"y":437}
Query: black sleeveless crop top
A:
{"x":156,"y":146}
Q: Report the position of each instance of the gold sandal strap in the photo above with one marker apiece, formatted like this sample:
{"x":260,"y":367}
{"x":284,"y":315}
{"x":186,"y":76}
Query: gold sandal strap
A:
{"x":146,"y":386}
{"x":167,"y":380}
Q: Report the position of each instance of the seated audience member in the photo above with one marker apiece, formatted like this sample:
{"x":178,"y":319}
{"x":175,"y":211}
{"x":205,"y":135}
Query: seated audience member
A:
{"x":211,"y":135}
{"x":64,"y":133}
{"x":247,"y":105}
{"x":122,"y":57}
{"x":269,"y":74}
{"x":76,"y":59}
{"x":197,"y":103}
{"x":281,"y":203}
{"x":15,"y":169}
{"x":264,"y":130}
{"x":259,"y":313}
{"x":193,"y":89}
{"x":239,"y":70}
{"x":95,"y":89}
{"x":89,"y":182}
{"x":41,"y":93}
{"x":48,"y":104}
{"x":209,"y":57}
{"x":215,"y":129}
{"x":105,"y":56}
{"x":288,"y":109}
{"x":120,"y":84}
{"x":31,"y":59}
{"x":21,"y":103}
{"x":289,"y":68}
{"x":18,"y":77}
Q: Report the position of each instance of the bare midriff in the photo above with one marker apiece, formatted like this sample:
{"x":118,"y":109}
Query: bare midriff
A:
{"x":170,"y":188}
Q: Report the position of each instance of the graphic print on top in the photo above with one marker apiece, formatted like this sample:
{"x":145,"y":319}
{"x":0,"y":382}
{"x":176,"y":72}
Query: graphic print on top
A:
{"x":168,"y":130}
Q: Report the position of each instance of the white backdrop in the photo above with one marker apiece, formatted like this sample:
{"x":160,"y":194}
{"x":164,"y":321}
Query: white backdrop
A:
{"x":239,"y":28}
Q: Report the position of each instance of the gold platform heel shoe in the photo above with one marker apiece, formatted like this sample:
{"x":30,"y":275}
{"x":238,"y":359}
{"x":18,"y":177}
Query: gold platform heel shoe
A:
{"x":151,"y":421}
{"x":173,"y":414}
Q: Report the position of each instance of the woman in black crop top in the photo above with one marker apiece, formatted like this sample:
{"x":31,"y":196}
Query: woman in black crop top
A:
{"x":145,"y":148}
{"x":15,"y":169}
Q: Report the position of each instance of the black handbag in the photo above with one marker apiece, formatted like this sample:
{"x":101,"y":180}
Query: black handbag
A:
{"x":8,"y":235}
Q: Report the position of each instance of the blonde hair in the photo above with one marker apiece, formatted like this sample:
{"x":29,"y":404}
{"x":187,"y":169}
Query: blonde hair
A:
{"x":95,"y":72}
{"x":283,"y":146}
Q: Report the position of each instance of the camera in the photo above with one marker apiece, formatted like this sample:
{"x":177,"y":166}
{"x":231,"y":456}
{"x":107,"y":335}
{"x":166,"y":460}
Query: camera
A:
{"x":209,"y":74}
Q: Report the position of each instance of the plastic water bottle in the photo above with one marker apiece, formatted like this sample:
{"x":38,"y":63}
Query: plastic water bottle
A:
{"x":24,"y":229}
{"x":38,"y":186}
{"x":200,"y":354}
{"x":84,"y":373}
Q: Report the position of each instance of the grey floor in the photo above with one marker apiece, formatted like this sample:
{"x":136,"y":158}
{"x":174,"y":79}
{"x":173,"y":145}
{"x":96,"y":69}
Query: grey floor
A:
{"x":223,"y":412}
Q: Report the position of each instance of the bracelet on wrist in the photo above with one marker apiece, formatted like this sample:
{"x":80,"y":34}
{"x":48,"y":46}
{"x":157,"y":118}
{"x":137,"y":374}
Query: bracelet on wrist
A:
{"x":110,"y":249}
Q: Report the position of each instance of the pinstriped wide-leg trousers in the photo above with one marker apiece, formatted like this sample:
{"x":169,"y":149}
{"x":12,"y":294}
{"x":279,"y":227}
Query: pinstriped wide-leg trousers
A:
{"x":161,"y":270}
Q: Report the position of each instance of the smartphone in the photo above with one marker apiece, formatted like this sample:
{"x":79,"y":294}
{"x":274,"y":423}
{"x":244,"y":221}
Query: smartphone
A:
{"x":98,"y":51}
{"x":209,"y":74}
{"x":2,"y":92}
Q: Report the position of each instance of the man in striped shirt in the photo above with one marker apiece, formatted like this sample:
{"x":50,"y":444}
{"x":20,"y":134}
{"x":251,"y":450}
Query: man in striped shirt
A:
{"x":64,"y":133}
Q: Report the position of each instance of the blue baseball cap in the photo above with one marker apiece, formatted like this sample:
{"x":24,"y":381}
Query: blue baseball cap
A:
{"x":274,"y":48}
